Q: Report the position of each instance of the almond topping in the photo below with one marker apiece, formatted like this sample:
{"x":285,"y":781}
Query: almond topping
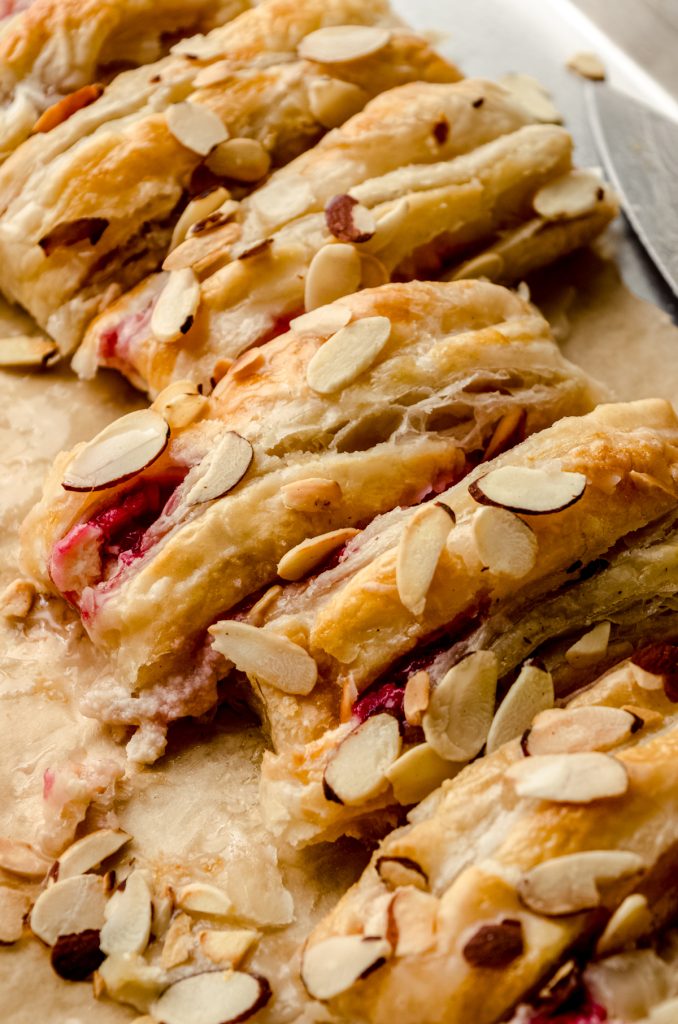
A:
{"x":119,"y":452}
{"x":411,"y":923}
{"x":418,"y":772}
{"x":299,"y":561}
{"x":22,"y":859}
{"x":175,"y":310}
{"x":419,"y":550}
{"x":486,"y":264}
{"x":178,"y":944}
{"x":388,"y":226}
{"x":325,"y":320}
{"x":311,"y":495}
{"x":227,"y":947}
{"x":495,"y":945}
{"x":505,"y":544}
{"x":347,"y":354}
{"x":76,"y":957}
{"x":631,"y":920}
{"x":570,"y":884}
{"x":588,"y":65}
{"x":461,"y":707}
{"x":569,"y":778}
{"x":23,"y":351}
{"x":203,"y":898}
{"x":177,"y":389}
{"x":572,"y":195}
{"x":265,"y":655}
{"x":417,"y":694}
{"x":528,"y":491}
{"x":349,"y":695}
{"x":509,"y":431}
{"x":222,"y":469}
{"x":247,"y":364}
{"x":72,"y":232}
{"x":90,"y":851}
{"x":531,"y":95}
{"x":17,"y":600}
{"x":338,"y":43}
{"x":348,"y":220}
{"x":65,"y":908}
{"x":14,"y":906}
{"x":373,"y":273}
{"x":214,"y":997}
{"x":243,"y":160}
{"x":356,"y":771}
{"x":130,"y":979}
{"x":333,"y":272}
{"x":333,"y":101}
{"x":66,"y":107}
{"x":283,"y":200}
{"x":195,"y":127}
{"x":199,"y":208}
{"x":531,"y":693}
{"x":400,"y":871}
{"x":591,"y":647}
{"x":183,"y":410}
{"x":127,"y":926}
{"x":335,"y":964}
{"x":568,"y":730}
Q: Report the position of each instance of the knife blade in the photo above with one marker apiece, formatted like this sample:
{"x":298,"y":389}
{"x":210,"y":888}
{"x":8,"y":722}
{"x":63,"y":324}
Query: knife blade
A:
{"x":639,"y":148}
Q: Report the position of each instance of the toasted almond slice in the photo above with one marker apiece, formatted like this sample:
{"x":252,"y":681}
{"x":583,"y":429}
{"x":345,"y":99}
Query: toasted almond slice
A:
{"x":183,"y":410}
{"x":299,"y":561}
{"x":338,"y":43}
{"x":178,"y":944}
{"x":387,"y":226}
{"x":569,"y":778}
{"x":311,"y":494}
{"x":591,"y":647}
{"x":532,"y":95}
{"x":195,"y":127}
{"x":244,"y":160}
{"x":411,"y":925}
{"x":248,"y":250}
{"x":203,"y":898}
{"x":258,"y":612}
{"x":397,"y":872}
{"x":175,"y":310}
{"x":213,"y":997}
{"x":14,"y":906}
{"x":227,"y":947}
{"x":486,"y":264}
{"x":66,"y":107}
{"x":64,"y":908}
{"x":572,"y":195}
{"x":199,"y":208}
{"x":509,"y":431}
{"x":127,"y":926}
{"x":22,"y":859}
{"x":76,"y":957}
{"x":247,"y":364}
{"x":418,"y":772}
{"x":531,"y":693}
{"x":532,"y":492}
{"x":417,"y":695}
{"x":23,"y":351}
{"x":461,"y":707}
{"x":177,"y":389}
{"x":356,"y":771}
{"x":333,"y":101}
{"x":349,"y":695}
{"x":222,"y":469}
{"x":347,"y":354}
{"x":17,"y":600}
{"x":267,"y":656}
{"x":90,"y":851}
{"x":335,"y":964}
{"x":570,"y":884}
{"x":333,"y":272}
{"x":419,"y":551}
{"x":505,"y":544}
{"x":130,"y":979}
{"x":646,"y":680}
{"x":348,"y":220}
{"x":631,"y":920}
{"x":588,"y":65}
{"x":222,"y":215}
{"x":281,"y":201}
{"x":119,"y":452}
{"x":325,"y":320}
{"x":568,"y":730}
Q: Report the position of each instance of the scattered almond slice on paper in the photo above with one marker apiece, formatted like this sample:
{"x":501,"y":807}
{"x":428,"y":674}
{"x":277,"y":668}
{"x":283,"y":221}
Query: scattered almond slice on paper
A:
{"x":334,"y":271}
{"x":347,"y":354}
{"x":222,"y":469}
{"x":571,"y":730}
{"x":174,"y":312}
{"x":267,"y":656}
{"x":195,"y":127}
{"x":26,"y":351}
{"x":419,"y":551}
{"x":299,"y":561}
{"x":588,"y":65}
{"x":127,"y":925}
{"x":212,"y":997}
{"x":333,"y":965}
{"x":120,"y":451}
{"x":505,"y":544}
{"x":356,"y":770}
{"x":460,"y":711}
{"x":336,"y":44}
{"x":570,"y":884}
{"x":88,"y":852}
{"x":590,"y":648}
{"x":528,"y":491}
{"x":418,"y":772}
{"x":74,"y":905}
{"x":332,"y":101}
{"x":572,"y":195}
{"x":577,"y":778}
{"x":531,"y":693}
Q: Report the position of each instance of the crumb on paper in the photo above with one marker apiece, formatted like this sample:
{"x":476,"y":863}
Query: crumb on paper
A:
{"x":588,"y":65}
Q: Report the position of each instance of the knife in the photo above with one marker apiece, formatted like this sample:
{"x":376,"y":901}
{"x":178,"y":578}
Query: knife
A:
{"x":639,"y":148}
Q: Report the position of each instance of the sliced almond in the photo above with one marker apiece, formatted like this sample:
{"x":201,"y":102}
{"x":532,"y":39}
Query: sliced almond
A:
{"x":531,"y":693}
{"x":265,"y":655}
{"x":572,"y":195}
{"x":528,"y":491}
{"x":567,"y":730}
{"x":258,"y":612}
{"x":65,"y":908}
{"x":418,"y":772}
{"x":531,"y":95}
{"x":419,"y":550}
{"x":222,"y":469}
{"x":90,"y":851}
{"x":23,"y":351}
{"x":311,"y":495}
{"x":591,"y":647}
{"x":334,"y":271}
{"x":333,"y":101}
{"x":17,"y":599}
{"x":332,"y":965}
{"x":76,"y":957}
{"x":588,"y":65}
{"x":570,"y":884}
{"x":130,"y":979}
{"x":177,"y":389}
{"x":412,"y":916}
{"x":569,"y":778}
{"x":195,"y":127}
{"x":14,"y":906}
{"x":199,"y":208}
{"x":656,"y":667}
{"x":461,"y":707}
{"x":325,"y":320}
{"x":66,"y":107}
{"x":486,"y":264}
{"x":299,"y":561}
{"x":283,"y":200}
{"x":178,"y":944}
{"x":183,"y":410}
{"x":417,"y":695}
{"x":631,"y":920}
{"x":174,"y":312}
{"x":127,"y":926}
{"x":22,"y":859}
{"x":227,"y":947}
{"x":247,"y":364}
{"x":505,"y":544}
{"x":210,"y":222}
{"x":356,"y":771}
{"x":495,"y":945}
{"x":203,"y":898}
{"x":373,"y":272}
{"x":388,"y":225}
{"x":338,"y":43}
{"x":243,"y":160}
{"x":348,"y":220}
{"x":214,"y":997}
{"x":119,"y":452}
{"x":397,"y":872}
{"x":347,"y":354}
{"x":509,"y":431}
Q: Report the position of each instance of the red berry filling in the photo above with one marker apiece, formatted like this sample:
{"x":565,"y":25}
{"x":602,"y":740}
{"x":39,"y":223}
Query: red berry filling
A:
{"x":589,"y":1012}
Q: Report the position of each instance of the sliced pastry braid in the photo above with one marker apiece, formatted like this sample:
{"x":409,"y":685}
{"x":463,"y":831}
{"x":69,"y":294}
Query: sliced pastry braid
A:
{"x":423,"y":178}
{"x":537,"y":857}
{"x":90,"y":208}
{"x":178,"y":515}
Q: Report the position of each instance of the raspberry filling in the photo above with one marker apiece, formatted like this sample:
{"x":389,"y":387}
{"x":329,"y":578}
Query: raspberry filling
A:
{"x":589,"y":1012}
{"x":115,"y":342}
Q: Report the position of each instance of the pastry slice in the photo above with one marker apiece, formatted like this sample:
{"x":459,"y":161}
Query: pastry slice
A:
{"x":177,"y":515}
{"x":56,"y":55}
{"x":563,"y":549}
{"x":91,"y":207}
{"x":422,"y":179}
{"x":531,"y":857}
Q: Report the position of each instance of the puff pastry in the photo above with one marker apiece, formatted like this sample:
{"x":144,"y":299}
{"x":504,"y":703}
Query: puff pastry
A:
{"x":56,"y":54}
{"x":496,"y":882}
{"x":439,"y":173}
{"x":88,"y":209}
{"x":606,"y":561}
{"x":466,"y":367}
